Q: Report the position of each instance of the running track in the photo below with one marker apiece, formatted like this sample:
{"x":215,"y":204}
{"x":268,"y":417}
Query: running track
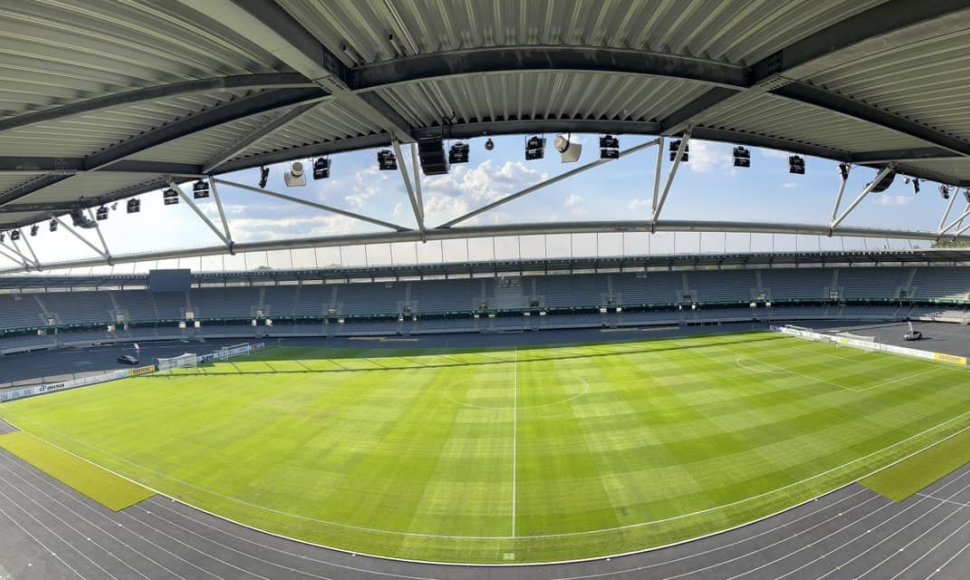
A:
{"x":50,"y":532}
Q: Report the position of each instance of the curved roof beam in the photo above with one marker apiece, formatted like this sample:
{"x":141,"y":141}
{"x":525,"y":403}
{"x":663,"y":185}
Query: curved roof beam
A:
{"x":536,"y":58}
{"x":267,"y":24}
{"x":226,"y":113}
{"x":253,"y":81}
{"x":893,"y":23}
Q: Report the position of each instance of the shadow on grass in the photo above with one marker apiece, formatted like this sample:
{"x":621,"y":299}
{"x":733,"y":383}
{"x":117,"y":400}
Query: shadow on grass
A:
{"x":555,"y":353}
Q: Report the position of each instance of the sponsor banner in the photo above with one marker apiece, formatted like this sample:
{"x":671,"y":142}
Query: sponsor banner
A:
{"x":63,"y":386}
{"x":950,"y":358}
{"x":868,"y":345}
{"x":141,"y":371}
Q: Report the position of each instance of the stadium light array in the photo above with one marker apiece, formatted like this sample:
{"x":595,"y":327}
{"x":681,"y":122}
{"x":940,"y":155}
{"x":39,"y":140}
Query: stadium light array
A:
{"x":321,"y":168}
{"x":101,"y":214}
{"x":14,"y":235}
{"x":742,"y":157}
{"x":674,"y":146}
{"x":796,"y":165}
{"x":170,"y":197}
{"x":844,"y":171}
{"x":33,"y":230}
{"x":535,"y":148}
{"x":489,"y":144}
{"x":945,"y":191}
{"x":458,"y":153}
{"x":609,"y":147}
{"x":53,"y":225}
{"x":200,"y":190}
{"x":914,"y":181}
{"x":3,"y":236}
{"x":263,"y":177}
{"x":386,"y":161}
{"x":134,"y":205}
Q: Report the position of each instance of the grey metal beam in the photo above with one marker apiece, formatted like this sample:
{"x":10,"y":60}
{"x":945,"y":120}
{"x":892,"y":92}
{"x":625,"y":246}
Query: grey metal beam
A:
{"x":546,"y":58}
{"x":313,"y":150}
{"x":914,"y":154}
{"x":220,"y":115}
{"x":72,"y":165}
{"x":865,"y":192}
{"x":543,"y":184}
{"x":250,"y":81}
{"x":315,"y":205}
{"x":268,"y":128}
{"x":506,"y":230}
{"x":270,"y":26}
{"x":524,"y":126}
{"x":403,"y":167}
{"x":199,"y":213}
{"x":678,"y":157}
{"x":805,"y":93}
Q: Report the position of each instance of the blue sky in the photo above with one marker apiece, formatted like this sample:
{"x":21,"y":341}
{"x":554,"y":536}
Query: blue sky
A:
{"x":708,"y":187}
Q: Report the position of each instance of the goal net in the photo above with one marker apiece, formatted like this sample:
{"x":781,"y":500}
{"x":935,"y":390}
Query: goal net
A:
{"x":227,"y":352}
{"x":187,"y":360}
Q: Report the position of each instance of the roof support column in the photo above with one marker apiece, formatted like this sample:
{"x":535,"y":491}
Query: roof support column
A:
{"x":403,"y":167}
{"x":838,"y":198}
{"x":546,"y":183}
{"x":84,"y":240}
{"x":200,"y":213}
{"x":656,"y":175}
{"x":865,"y":193}
{"x":97,"y":228}
{"x":670,"y":178}
{"x":222,"y":212}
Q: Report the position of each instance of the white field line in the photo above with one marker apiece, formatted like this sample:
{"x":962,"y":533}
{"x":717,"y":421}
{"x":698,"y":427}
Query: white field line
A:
{"x":515,"y":435}
{"x":535,"y":536}
{"x":818,"y":380}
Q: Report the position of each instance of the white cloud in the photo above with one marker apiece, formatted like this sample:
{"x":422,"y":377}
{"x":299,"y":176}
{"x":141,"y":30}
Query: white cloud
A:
{"x":705,"y":156}
{"x":398,"y":209}
{"x":790,"y":185}
{"x":894,"y":200}
{"x":639,"y":204}
{"x":485,"y":183}
{"x":250,"y":229}
{"x":776,"y":153}
{"x":573,"y":200}
{"x":367,"y":183}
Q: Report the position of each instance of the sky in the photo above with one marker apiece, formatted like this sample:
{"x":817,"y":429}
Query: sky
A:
{"x":707,"y":187}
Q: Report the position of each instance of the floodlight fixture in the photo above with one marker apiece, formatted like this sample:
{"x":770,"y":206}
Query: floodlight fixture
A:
{"x":945,"y":191}
{"x":263,"y":176}
{"x":535,"y":148}
{"x":80,"y":220}
{"x":742,"y":157}
{"x":386,"y":161}
{"x":134,"y":205}
{"x":295,"y":176}
{"x":915,"y":185}
{"x":489,"y":144}
{"x":3,"y":236}
{"x":884,"y":183}
{"x":321,"y":168}
{"x":796,"y":165}
{"x":53,"y":225}
{"x":14,"y":235}
{"x":569,"y":151}
{"x":101,"y":214}
{"x":200,"y":189}
{"x":609,"y":147}
{"x":458,"y":153}
{"x":674,"y":146}
{"x":844,"y":171}
{"x":33,"y":230}
{"x":170,"y":197}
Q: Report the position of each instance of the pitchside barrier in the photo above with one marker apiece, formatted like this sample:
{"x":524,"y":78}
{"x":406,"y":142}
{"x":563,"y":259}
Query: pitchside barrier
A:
{"x":869,"y":345}
{"x":188,"y":358}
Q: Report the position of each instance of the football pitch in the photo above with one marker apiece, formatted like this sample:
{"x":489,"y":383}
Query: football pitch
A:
{"x":511,"y":456}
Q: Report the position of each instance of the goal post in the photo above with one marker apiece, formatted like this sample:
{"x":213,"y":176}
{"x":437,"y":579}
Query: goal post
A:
{"x":187,"y":360}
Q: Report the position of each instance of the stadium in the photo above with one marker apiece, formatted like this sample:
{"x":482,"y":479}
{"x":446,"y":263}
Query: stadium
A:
{"x":545,"y":289}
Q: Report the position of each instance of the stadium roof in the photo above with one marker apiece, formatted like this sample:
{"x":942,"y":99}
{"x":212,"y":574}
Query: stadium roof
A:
{"x":102,"y":100}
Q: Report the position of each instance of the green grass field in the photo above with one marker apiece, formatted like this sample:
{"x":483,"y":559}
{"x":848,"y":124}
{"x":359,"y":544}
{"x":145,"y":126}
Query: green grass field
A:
{"x":527,"y":455}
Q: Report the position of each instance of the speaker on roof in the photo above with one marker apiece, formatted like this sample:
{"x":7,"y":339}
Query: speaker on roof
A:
{"x":431,"y":152}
